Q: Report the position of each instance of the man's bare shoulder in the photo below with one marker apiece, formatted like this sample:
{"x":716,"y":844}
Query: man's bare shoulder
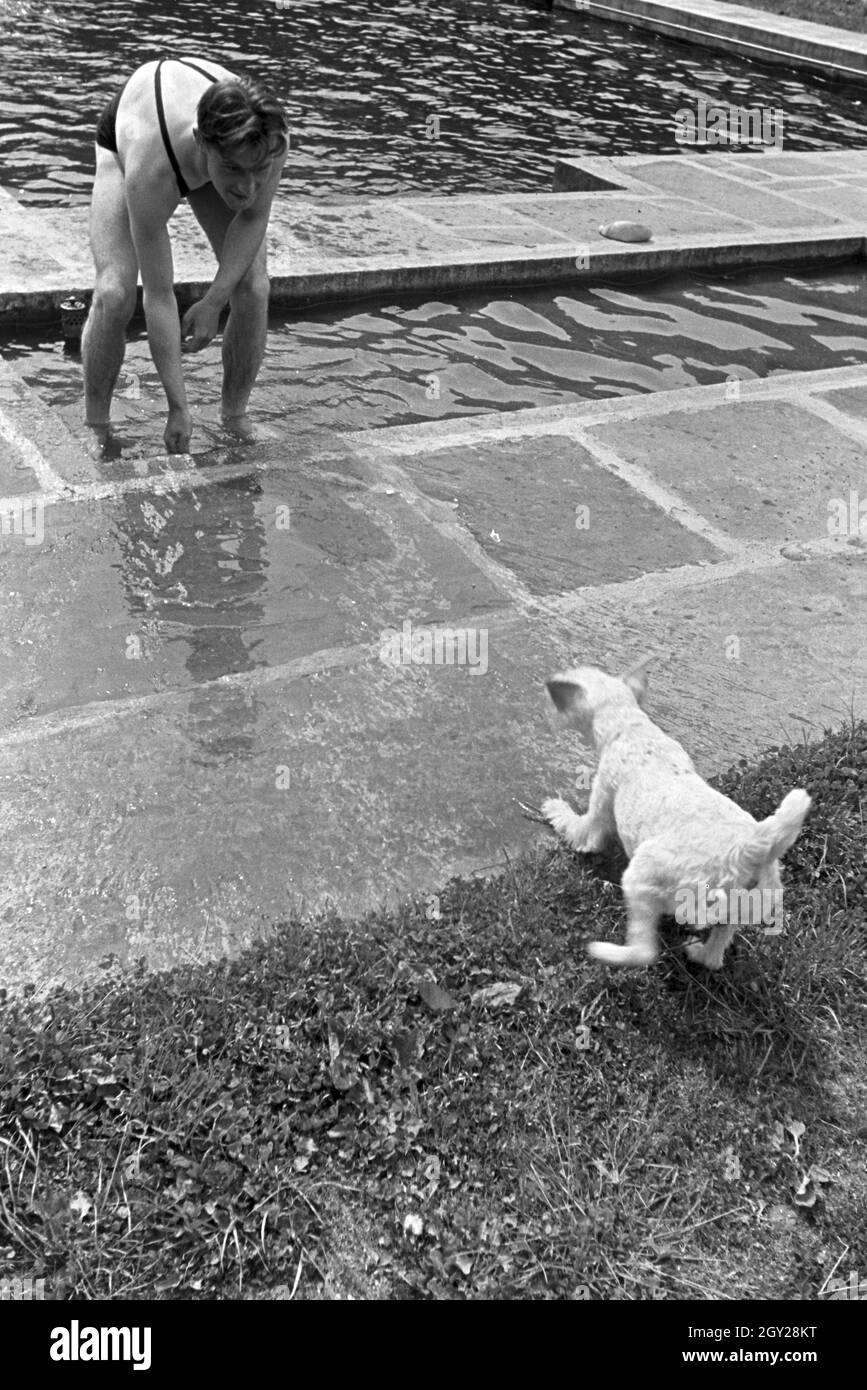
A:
{"x":136,"y":121}
{"x":141,"y":150}
{"x":137,"y":113}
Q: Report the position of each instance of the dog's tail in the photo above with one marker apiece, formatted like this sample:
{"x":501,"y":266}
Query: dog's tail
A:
{"x":777,"y":833}
{"x":634,"y":953}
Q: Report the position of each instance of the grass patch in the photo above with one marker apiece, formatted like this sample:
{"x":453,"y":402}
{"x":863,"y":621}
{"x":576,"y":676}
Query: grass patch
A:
{"x":353,"y":1110}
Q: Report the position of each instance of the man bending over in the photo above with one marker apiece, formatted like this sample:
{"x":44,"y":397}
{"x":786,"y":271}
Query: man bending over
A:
{"x":180,"y":130}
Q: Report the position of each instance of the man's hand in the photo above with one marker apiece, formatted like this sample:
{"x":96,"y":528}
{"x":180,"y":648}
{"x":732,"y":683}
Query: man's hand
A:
{"x":200,"y":324}
{"x":179,"y":428}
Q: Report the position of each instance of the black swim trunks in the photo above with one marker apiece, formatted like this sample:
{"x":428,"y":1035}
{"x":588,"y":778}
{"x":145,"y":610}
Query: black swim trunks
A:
{"x":106,"y":132}
{"x":105,"y":127}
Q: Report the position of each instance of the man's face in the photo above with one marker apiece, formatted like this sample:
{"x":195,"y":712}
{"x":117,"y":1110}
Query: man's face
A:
{"x":239,"y":174}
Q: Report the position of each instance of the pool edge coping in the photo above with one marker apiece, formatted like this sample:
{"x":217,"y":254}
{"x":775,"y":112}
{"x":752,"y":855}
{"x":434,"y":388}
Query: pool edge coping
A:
{"x":750,"y":33}
{"x":347,"y":281}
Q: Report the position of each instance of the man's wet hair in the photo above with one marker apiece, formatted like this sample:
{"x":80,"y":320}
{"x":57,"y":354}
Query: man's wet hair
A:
{"x":240,"y":112}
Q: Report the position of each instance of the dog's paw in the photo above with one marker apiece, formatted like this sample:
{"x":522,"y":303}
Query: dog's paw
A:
{"x":697,"y":952}
{"x":559,"y":814}
{"x":694,"y":950}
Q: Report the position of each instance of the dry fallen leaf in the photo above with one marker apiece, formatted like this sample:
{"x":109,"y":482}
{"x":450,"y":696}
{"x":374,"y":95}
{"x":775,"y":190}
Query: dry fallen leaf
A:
{"x":438,"y":1000}
{"x":498,"y":995}
{"x":810,"y":1189}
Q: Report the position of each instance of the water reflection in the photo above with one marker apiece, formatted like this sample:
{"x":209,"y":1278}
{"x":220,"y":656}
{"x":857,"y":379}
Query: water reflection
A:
{"x":401,"y":362}
{"x":192,"y":567}
{"x":395,"y":362}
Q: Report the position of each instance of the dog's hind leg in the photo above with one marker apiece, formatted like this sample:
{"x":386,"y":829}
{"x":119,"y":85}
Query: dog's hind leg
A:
{"x":644,"y":907}
{"x":588,"y":833}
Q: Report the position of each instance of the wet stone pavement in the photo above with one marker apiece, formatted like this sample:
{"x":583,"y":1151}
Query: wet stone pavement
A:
{"x":213,"y":715}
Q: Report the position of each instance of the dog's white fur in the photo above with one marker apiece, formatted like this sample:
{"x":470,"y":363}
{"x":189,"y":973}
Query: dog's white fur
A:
{"x":679,"y":833}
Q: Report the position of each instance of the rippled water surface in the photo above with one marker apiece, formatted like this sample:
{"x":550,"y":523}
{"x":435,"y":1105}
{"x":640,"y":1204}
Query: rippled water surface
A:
{"x":512,"y":85}
{"x":403,"y":360}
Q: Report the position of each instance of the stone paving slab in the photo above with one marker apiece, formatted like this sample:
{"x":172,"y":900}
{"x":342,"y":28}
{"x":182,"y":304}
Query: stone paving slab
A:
{"x":16,"y":478}
{"x":579,"y":221}
{"x":786,"y":643}
{"x":759,"y":34}
{"x":715,"y":209}
{"x":555,"y":517}
{"x":756,"y":469}
{"x":388,"y":772}
{"x":847,"y":201}
{"x":778,"y":205}
{"x":235,"y":574}
{"x":852,"y":399}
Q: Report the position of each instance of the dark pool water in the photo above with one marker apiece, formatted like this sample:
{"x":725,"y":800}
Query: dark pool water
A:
{"x":513,"y":85}
{"x":404,"y":360}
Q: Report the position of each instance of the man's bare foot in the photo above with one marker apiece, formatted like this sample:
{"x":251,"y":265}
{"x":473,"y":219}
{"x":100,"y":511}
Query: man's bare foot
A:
{"x":246,"y":430}
{"x":105,"y":446}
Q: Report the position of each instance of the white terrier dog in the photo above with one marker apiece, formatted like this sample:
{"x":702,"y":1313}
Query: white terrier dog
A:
{"x":682,"y":837}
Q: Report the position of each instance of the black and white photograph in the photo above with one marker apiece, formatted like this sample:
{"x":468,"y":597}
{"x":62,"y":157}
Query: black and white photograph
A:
{"x":433,"y":711}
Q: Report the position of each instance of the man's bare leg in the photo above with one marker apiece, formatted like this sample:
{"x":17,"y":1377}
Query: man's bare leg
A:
{"x":244,"y":341}
{"x":103,"y":341}
{"x":246,"y":330}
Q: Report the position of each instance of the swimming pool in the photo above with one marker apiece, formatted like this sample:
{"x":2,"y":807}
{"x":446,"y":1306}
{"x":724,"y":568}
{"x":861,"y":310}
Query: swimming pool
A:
{"x":512,"y":85}
{"x":406,"y":359}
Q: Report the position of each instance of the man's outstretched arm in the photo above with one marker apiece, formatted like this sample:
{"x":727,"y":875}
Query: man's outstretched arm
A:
{"x":244,"y":236}
{"x":148,"y":223}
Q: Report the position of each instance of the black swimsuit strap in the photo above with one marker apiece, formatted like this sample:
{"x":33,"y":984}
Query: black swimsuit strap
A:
{"x":164,"y":130}
{"x":161,"y":115}
{"x":210,"y":76}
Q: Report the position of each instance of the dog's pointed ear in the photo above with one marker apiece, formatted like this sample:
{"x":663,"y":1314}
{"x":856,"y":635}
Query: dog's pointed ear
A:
{"x":564,"y":693}
{"x":636,"y":681}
